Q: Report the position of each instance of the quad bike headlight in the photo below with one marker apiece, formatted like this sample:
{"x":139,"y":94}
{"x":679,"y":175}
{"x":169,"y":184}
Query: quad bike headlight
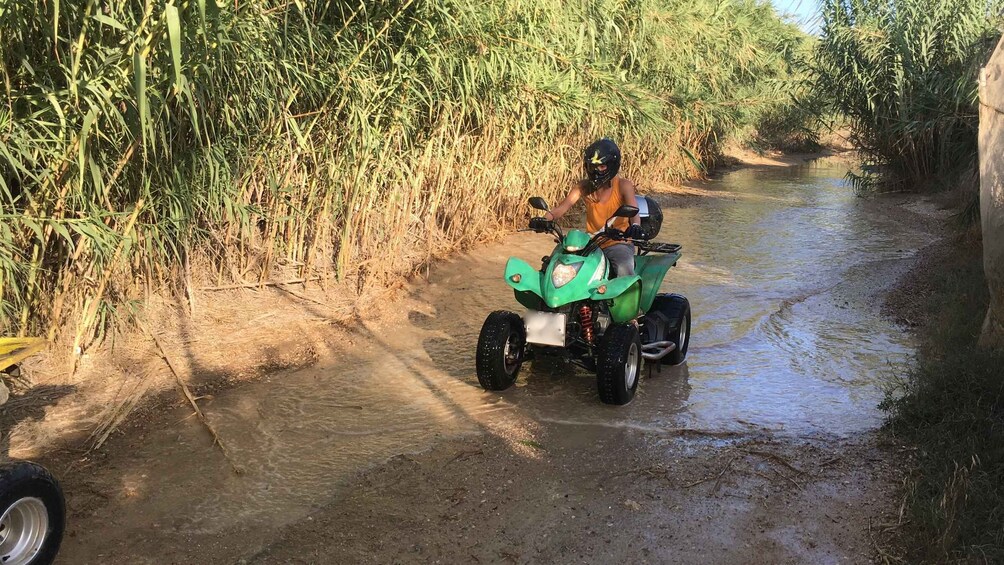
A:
{"x":563,"y":274}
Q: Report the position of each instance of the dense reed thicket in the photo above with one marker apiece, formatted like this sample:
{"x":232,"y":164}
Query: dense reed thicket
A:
{"x":904,"y":72}
{"x":147,"y":145}
{"x":952,"y":410}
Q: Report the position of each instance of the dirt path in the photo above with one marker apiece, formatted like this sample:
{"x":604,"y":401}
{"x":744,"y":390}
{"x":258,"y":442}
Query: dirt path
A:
{"x":620,"y":496}
{"x":574,"y":493}
{"x":761,"y":449}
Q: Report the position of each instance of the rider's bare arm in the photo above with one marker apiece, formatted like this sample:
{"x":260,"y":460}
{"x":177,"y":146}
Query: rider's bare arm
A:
{"x":562,"y":207}
{"x":628,"y":197}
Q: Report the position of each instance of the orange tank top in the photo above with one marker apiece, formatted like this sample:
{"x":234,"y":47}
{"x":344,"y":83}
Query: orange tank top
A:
{"x":597,"y":213}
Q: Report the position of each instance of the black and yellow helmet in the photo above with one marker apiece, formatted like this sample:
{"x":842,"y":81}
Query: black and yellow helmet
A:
{"x":601,"y":152}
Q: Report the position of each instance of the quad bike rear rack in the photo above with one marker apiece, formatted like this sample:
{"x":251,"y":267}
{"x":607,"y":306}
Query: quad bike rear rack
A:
{"x":657,"y":247}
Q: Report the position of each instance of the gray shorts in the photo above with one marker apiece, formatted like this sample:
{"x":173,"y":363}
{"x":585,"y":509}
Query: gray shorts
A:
{"x":621,"y":257}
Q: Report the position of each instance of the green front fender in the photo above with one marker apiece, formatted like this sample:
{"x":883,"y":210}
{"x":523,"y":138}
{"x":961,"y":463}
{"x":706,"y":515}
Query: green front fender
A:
{"x":528,"y":289}
{"x":624,"y":294}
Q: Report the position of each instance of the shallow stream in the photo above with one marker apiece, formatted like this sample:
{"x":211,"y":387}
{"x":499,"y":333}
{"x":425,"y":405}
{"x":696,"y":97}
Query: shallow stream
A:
{"x":784,"y":268}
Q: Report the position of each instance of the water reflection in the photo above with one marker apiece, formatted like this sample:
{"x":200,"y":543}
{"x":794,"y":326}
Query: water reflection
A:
{"x":786,"y":290}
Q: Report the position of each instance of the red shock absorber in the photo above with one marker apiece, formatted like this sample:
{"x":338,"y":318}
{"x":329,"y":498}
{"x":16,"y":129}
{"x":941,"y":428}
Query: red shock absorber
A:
{"x":586,"y":319}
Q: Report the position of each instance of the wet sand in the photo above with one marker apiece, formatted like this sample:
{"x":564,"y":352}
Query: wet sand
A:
{"x":761,"y":448}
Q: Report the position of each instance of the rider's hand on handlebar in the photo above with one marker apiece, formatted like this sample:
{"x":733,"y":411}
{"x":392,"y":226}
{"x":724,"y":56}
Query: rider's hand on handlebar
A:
{"x":635,"y":231}
{"x":541,"y":224}
{"x":613,"y":233}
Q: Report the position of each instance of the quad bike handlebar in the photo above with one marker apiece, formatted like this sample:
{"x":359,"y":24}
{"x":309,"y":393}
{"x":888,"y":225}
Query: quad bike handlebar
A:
{"x":541,"y":225}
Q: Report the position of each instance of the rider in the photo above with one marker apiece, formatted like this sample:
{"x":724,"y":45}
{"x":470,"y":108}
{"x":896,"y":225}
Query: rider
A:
{"x":604,"y":192}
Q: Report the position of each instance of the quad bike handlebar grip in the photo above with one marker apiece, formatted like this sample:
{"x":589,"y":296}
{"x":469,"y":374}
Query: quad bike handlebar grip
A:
{"x":541,"y":224}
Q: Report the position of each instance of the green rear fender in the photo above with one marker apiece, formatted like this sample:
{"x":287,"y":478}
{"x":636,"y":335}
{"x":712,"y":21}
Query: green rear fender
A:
{"x":652,"y":270}
{"x":624,"y":294}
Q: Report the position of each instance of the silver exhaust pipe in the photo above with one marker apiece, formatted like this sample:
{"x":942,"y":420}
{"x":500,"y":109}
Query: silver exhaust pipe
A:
{"x":657,"y":350}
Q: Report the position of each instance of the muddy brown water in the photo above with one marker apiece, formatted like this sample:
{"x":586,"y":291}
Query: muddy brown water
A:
{"x":782,"y":267}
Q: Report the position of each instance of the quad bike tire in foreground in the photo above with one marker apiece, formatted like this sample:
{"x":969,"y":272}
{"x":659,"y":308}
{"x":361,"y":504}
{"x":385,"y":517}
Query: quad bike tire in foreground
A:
{"x":574,"y":310}
{"x":32,"y":507}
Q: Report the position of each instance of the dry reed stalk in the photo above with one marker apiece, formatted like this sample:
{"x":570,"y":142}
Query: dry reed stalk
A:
{"x":217,"y":440}
{"x":301,"y":296}
{"x":57,"y":304}
{"x":87,"y":319}
{"x":774,"y":457}
{"x":118,"y":412}
{"x":259,"y":285}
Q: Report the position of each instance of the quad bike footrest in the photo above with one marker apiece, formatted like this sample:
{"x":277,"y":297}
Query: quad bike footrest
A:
{"x":657,"y":350}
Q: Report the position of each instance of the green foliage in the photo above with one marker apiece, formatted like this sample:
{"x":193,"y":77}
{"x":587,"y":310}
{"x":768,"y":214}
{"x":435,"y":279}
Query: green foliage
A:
{"x":905,"y":73}
{"x":953,"y":411}
{"x":793,"y":127}
{"x":140,"y":137}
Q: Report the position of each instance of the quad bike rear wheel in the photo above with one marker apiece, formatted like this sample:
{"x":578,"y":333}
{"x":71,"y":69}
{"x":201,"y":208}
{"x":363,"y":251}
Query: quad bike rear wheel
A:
{"x":32,"y":514}
{"x":618,"y":364}
{"x":501,"y":347}
{"x":677,"y":309}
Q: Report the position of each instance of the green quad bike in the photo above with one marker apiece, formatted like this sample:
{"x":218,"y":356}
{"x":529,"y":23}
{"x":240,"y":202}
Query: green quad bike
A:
{"x":575,"y":311}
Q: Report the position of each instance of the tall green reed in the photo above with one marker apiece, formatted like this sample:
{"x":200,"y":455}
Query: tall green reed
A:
{"x":149,"y":145}
{"x":905,"y":73}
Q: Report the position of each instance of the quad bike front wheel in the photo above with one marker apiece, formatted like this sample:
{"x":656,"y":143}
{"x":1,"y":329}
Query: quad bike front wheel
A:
{"x":619,"y":364}
{"x":500,"y":350}
{"x":32,"y":514}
